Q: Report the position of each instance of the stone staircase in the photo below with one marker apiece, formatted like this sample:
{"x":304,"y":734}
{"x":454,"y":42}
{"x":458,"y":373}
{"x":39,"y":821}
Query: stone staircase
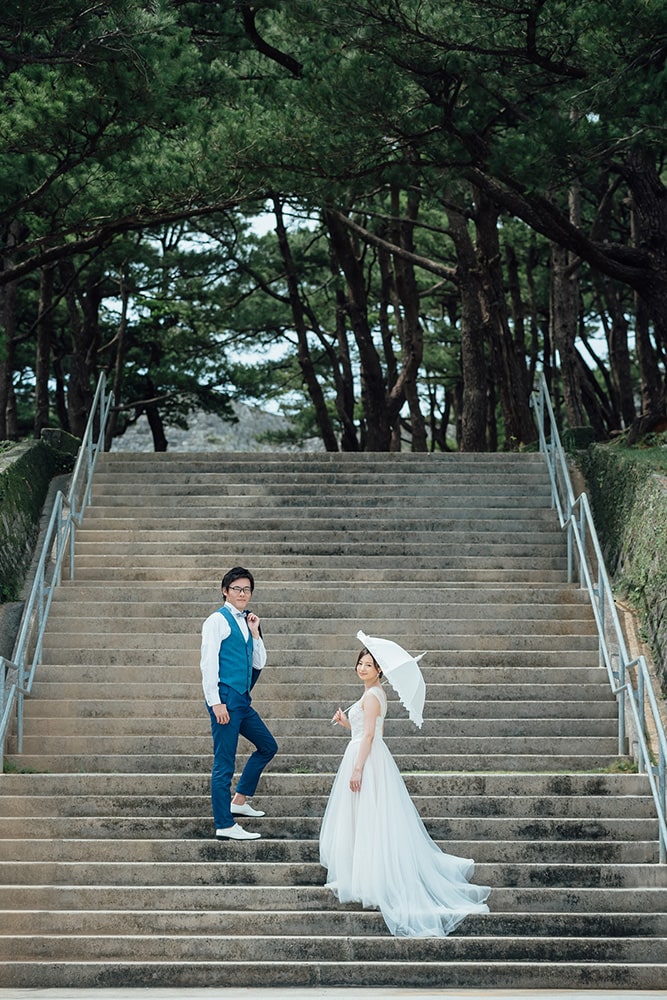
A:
{"x":110,"y":872}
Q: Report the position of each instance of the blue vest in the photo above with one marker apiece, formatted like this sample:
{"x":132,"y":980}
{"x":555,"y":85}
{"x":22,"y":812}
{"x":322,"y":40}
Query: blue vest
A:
{"x":235,"y":656}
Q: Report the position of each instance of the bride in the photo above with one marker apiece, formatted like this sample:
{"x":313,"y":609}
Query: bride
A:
{"x":372,"y":841}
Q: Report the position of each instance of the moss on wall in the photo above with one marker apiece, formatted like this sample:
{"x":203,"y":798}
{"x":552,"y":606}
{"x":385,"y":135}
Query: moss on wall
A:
{"x":25,"y":473}
{"x":629,"y":503}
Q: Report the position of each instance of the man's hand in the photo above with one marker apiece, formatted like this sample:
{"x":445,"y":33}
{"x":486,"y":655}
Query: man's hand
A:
{"x":221,"y":714}
{"x":252,"y":622}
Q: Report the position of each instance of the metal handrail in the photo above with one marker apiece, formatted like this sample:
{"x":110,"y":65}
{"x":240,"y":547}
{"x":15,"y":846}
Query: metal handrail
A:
{"x":17,"y":675}
{"x":575,"y":517}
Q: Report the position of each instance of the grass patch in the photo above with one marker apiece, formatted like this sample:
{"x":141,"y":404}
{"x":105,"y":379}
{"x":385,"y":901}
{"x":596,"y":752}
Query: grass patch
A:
{"x":10,"y":767}
{"x":624,"y":765}
{"x":651,"y":451}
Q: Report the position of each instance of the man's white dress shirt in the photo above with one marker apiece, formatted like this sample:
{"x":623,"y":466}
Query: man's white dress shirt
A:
{"x":214,"y":631}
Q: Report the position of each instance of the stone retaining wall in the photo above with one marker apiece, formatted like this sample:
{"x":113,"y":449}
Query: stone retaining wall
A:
{"x":26,"y":470}
{"x":629,"y":504}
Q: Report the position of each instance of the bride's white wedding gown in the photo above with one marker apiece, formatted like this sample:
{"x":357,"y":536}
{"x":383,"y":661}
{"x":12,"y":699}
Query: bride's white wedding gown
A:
{"x":377,"y":851}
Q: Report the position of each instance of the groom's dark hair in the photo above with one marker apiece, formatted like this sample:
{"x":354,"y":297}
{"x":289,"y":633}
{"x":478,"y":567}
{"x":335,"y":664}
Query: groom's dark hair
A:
{"x":237,"y":573}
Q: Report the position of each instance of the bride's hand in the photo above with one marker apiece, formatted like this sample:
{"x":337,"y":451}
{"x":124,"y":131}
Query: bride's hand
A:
{"x":355,"y":780}
{"x":340,"y":718}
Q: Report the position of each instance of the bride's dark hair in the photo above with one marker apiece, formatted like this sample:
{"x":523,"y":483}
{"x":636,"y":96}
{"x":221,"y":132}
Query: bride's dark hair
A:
{"x":366,"y":652}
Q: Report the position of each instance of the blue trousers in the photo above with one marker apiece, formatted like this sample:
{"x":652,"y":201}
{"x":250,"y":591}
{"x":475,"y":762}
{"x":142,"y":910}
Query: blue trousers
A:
{"x":243,"y":721}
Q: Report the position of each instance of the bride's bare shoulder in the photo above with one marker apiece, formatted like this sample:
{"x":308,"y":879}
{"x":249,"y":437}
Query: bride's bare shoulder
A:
{"x":378,"y":693}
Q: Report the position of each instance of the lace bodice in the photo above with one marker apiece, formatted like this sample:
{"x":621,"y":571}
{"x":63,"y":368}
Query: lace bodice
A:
{"x":356,"y":714}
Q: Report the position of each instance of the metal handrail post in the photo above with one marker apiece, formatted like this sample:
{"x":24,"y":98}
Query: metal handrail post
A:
{"x":570,"y":552}
{"x":582,"y":529}
{"x":621,"y":704}
{"x":88,"y":451}
{"x":602,"y":598}
{"x":641,"y":704}
{"x":662,"y":786}
{"x":105,"y":409}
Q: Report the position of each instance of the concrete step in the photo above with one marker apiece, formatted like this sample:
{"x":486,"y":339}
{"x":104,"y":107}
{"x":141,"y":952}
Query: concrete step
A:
{"x":89,"y":612}
{"x":318,"y":974}
{"x":313,"y":947}
{"x":206,"y":573}
{"x":188,"y":660}
{"x":331,"y":922}
{"x":434,"y":806}
{"x":324,"y":763}
{"x":558,"y":829}
{"x":199,"y":725}
{"x":329,"y":641}
{"x":195,"y":709}
{"x":297,"y":460}
{"x":470,"y":784}
{"x":282,"y":681}
{"x":484,"y":851}
{"x":184,"y":625}
{"x":370,"y":590}
{"x":436,"y":497}
{"x":298,"y":554}
{"x":287,"y":874}
{"x":581,"y":899}
{"x":231,"y":476}
{"x":166,"y":503}
{"x":310,"y":745}
{"x":189,"y":535}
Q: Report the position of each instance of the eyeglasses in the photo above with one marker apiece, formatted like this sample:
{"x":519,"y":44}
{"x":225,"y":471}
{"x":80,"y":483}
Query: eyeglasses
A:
{"x":241,"y":590}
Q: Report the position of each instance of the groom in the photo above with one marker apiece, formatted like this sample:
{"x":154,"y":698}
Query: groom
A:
{"x":232,"y":655}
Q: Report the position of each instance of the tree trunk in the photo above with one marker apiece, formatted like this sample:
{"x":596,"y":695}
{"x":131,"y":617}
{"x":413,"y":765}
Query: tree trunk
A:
{"x":508,"y":367}
{"x":532,"y":262}
{"x":157,"y":427}
{"x":344,"y":381}
{"x":649,"y":231}
{"x":376,"y":427}
{"x":60,"y":395}
{"x":470,"y":402}
{"x":119,"y":364}
{"x":44,"y":340}
{"x":647,"y":360}
{"x":564,"y":322}
{"x":620,"y":367}
{"x":491,"y":421}
{"x":8,"y":294}
{"x":79,"y":391}
{"x":305,"y":360}
{"x":410,"y":330}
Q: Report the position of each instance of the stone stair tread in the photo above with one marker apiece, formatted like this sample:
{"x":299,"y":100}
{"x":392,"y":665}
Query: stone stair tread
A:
{"x":442,"y":807}
{"x":556,"y":830}
{"x":274,"y":873}
{"x":276,"y":783}
{"x":305,"y":897}
{"x":487,"y":974}
{"x":367,"y":922}
{"x":328,"y":764}
{"x":148,"y":850}
{"x":179,"y":617}
{"x":318,"y":947}
{"x":297,"y":710}
{"x":203,"y":573}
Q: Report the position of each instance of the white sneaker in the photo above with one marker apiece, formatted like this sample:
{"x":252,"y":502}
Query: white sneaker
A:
{"x":237,"y":832}
{"x":246,"y":810}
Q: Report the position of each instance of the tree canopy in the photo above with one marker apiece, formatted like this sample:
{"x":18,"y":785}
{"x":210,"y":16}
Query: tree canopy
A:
{"x":461,"y":193}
